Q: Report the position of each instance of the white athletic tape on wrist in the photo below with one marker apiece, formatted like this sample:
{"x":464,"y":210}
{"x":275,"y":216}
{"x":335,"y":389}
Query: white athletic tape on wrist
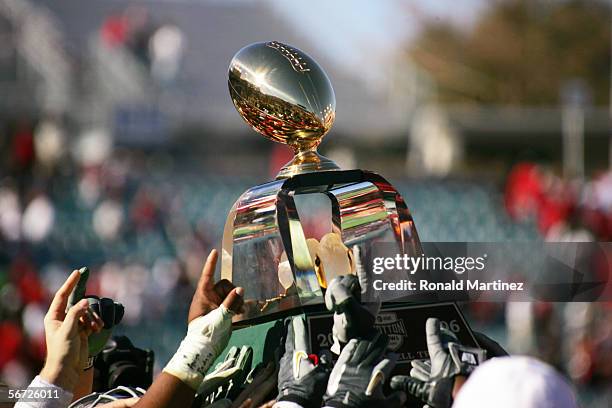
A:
{"x":207,"y":336}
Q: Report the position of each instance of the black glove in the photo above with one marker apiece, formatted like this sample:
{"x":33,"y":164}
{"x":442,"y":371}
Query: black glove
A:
{"x":447,"y":359}
{"x":359,"y":374}
{"x":300,"y":380}
{"x":351,"y":318}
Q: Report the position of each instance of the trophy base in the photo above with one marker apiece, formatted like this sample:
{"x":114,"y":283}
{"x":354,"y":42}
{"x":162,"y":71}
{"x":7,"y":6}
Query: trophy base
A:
{"x":306,"y":162}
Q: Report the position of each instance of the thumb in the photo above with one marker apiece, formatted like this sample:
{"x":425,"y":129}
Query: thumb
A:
{"x":432,"y":332}
{"x":234,"y":300}
{"x":299,"y":333}
{"x":289,"y":338}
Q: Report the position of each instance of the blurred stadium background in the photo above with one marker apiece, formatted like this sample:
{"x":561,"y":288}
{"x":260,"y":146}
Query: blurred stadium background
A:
{"x":120,"y":148}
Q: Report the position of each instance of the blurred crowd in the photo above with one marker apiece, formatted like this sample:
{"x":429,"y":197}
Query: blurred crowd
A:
{"x":157,"y":46}
{"x":575,"y":337}
{"x":103,"y":210}
{"x":564,"y":210}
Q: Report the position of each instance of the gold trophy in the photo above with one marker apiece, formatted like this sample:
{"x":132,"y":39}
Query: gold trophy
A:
{"x":286,"y":96}
{"x":269,"y":245}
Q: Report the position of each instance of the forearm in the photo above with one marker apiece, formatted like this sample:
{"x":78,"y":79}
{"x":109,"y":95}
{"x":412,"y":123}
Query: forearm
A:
{"x":167,"y":391}
{"x":59,"y":376}
{"x":62,"y":401}
{"x":176,"y":386}
{"x":85,"y":384}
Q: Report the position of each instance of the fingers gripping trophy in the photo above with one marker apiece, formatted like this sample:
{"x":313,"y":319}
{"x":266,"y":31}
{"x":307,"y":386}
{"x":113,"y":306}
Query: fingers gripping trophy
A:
{"x":283,"y":94}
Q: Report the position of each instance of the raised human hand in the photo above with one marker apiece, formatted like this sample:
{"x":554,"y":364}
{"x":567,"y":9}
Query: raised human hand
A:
{"x":210,"y":295}
{"x":66,"y":336}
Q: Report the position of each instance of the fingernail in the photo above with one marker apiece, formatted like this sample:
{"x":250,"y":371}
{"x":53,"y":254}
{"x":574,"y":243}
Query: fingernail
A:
{"x":239,"y":291}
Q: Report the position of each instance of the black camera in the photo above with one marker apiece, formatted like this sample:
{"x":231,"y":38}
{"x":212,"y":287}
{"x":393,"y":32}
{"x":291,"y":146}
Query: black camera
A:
{"x":120,"y":363}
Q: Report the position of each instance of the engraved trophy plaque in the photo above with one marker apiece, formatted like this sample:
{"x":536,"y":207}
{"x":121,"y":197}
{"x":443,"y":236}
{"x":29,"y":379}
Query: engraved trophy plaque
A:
{"x":286,"y":96}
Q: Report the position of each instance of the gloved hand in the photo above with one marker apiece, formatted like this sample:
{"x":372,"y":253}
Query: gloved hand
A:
{"x":359,"y":374}
{"x":421,"y":368}
{"x":433,"y":383}
{"x":351,"y":318}
{"x":108,"y":310}
{"x":228,"y":375}
{"x":300,"y":379}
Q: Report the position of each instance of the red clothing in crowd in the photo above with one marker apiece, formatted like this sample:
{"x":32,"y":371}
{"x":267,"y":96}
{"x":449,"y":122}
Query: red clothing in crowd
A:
{"x":114,"y":30}
{"x":23,"y":147}
{"x":523,"y":191}
{"x":10,"y":341}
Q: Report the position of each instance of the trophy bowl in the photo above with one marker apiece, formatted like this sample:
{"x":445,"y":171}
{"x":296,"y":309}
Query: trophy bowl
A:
{"x":286,"y":96}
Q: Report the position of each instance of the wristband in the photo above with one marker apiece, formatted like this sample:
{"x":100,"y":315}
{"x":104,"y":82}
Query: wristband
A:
{"x":207,"y":336}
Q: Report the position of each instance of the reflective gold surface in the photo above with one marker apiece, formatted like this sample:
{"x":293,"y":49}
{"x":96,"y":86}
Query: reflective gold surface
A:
{"x":286,"y":96}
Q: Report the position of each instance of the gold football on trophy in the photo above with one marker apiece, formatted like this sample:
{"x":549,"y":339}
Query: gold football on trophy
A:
{"x":286,"y":96}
